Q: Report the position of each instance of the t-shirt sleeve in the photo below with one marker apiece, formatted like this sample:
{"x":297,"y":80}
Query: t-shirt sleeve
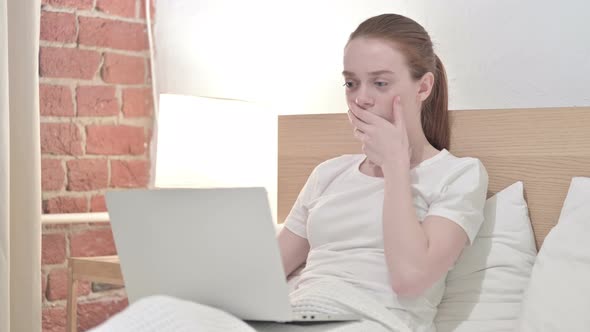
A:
{"x":296,"y":221}
{"x":462,"y":197}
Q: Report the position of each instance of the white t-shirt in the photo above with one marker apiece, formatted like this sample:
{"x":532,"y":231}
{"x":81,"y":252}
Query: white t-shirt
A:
{"x":340,"y":209}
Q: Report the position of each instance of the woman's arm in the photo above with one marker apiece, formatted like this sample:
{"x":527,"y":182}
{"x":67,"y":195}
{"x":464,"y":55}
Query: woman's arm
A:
{"x":417,"y":254}
{"x":294,"y":250}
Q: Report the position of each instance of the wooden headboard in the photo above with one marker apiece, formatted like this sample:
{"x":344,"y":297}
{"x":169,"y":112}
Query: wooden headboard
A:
{"x":542,"y":147}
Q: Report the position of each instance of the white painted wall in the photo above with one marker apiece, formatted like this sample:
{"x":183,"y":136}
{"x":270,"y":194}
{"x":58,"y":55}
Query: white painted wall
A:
{"x":498,"y":53}
{"x":511,"y":54}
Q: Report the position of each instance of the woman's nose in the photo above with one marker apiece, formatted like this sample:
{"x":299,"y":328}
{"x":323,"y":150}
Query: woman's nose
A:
{"x":364,"y":101}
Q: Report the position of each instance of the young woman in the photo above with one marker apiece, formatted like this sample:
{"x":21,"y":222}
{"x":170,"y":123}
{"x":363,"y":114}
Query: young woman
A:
{"x":393,"y":220}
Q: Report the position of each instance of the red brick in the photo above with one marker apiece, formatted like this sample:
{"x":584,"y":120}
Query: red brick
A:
{"x":124,"y":8}
{"x":55,"y":100}
{"x":57,"y":285}
{"x":123,"y":69}
{"x":115,"y":140}
{"x":54,"y":319}
{"x":142,"y":9}
{"x":65,"y":204}
{"x":96,"y":101}
{"x":79,"y":4}
{"x":129,"y":174}
{"x":87,"y":174}
{"x":53,"y":248}
{"x":95,"y":31}
{"x":59,"y":27}
{"x":61,"y":139}
{"x":96,"y":242}
{"x":52,"y":175}
{"x":68,"y":63}
{"x":98,"y":204}
{"x":91,"y":314}
{"x":137,"y":102}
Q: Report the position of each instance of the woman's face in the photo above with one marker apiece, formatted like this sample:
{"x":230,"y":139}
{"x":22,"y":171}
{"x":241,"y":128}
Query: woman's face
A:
{"x":375,"y":72}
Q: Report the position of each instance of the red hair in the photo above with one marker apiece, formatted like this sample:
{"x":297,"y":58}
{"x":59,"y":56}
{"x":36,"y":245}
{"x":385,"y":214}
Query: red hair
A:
{"x":416,"y":46}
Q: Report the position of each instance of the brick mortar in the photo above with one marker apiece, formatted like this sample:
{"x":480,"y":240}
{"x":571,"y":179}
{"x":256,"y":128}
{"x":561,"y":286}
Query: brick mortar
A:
{"x":119,"y":97}
{"x":73,"y":86}
{"x":81,"y":129}
{"x":51,"y":9}
{"x":97,"y":74}
{"x":62,"y":193}
{"x":46,"y":43}
{"x":139,"y":54}
{"x":92,"y":13}
{"x":78,"y":25}
{"x":100,"y":49}
{"x":139,"y":121}
{"x":67,"y":158}
{"x":88,"y":201}
{"x":64,"y":166}
{"x":81,"y":82}
{"x":83,"y":121}
{"x":138,"y":9}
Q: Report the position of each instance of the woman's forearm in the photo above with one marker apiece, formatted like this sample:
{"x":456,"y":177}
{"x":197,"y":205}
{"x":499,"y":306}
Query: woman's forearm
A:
{"x":404,"y":239}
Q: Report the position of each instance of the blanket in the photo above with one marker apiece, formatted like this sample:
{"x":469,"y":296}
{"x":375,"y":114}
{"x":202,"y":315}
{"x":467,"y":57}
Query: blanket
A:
{"x":164,"y":313}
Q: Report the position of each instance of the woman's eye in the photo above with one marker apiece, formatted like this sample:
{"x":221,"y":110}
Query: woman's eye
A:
{"x":380,"y":84}
{"x":348,"y":84}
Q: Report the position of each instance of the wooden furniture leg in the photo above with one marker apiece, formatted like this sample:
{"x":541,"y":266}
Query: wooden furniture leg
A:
{"x":105,"y":269}
{"x":72,"y":304}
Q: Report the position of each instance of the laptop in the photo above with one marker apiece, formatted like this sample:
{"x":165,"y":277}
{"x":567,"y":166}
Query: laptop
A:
{"x":212,"y":246}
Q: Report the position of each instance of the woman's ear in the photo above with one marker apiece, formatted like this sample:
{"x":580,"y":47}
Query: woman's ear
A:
{"x":425,"y":86}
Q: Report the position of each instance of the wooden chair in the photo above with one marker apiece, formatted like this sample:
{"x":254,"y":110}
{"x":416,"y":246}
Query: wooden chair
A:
{"x":105,"y":269}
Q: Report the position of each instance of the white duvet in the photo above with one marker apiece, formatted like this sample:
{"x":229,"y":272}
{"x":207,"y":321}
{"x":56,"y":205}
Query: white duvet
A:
{"x":163,"y":313}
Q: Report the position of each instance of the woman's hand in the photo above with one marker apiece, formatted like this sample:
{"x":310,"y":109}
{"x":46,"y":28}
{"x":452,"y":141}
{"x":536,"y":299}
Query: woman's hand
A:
{"x":384,"y":142}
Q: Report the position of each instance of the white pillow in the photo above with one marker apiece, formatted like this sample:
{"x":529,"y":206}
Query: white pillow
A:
{"x":558,"y":296}
{"x":484,"y":290}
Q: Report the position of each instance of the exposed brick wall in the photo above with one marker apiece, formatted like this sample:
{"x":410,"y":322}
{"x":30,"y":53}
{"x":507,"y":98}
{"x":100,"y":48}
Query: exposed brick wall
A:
{"x":96,"y":120}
